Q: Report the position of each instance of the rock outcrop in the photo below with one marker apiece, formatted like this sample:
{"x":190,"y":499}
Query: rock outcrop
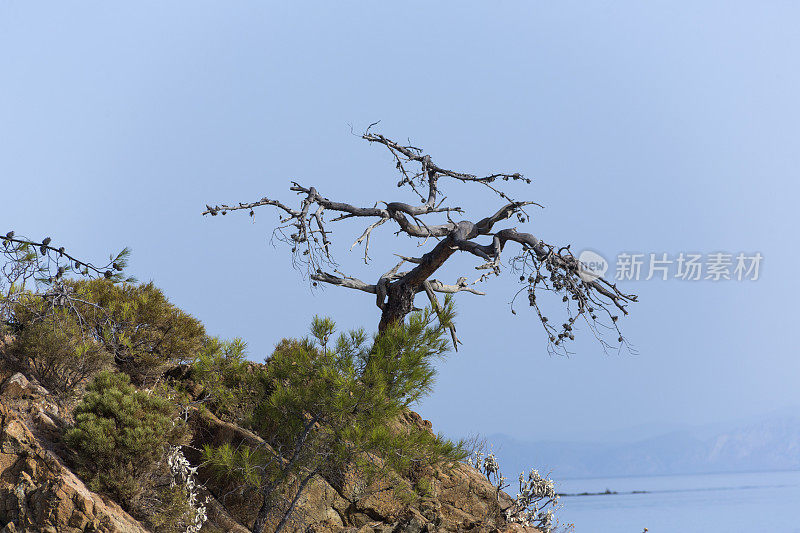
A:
{"x":460,"y":499}
{"x":39,"y":493}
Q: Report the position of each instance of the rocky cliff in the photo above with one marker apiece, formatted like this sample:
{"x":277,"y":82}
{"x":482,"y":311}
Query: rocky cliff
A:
{"x":39,"y":492}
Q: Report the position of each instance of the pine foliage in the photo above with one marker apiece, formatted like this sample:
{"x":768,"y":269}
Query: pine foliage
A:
{"x":121,"y":436}
{"x":140,"y":327}
{"x":53,"y":349}
{"x":330,"y":405}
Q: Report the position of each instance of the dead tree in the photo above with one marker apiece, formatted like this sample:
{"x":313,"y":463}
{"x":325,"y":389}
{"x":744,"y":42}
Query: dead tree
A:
{"x":540,"y":266}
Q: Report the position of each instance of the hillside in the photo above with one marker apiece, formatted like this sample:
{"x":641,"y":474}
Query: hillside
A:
{"x":39,"y":491}
{"x":771,"y":443}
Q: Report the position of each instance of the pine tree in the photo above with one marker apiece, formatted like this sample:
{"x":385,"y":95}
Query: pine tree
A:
{"x":328,"y":406}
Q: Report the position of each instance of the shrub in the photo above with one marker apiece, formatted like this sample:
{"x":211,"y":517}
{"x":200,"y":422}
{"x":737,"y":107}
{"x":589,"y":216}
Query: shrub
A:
{"x":140,"y":327}
{"x":170,"y":511}
{"x":536,"y":502}
{"x":62,"y":345}
{"x":53,"y":347}
{"x":188,"y":513}
{"x":121,"y":435}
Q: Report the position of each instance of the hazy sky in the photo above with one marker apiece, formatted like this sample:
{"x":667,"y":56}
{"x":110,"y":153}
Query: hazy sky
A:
{"x":646,"y":127}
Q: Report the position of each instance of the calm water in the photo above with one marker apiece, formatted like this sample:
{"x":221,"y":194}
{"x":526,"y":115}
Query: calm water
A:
{"x":766,"y":502}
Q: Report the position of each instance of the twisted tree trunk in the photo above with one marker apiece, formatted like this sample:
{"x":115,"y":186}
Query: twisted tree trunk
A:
{"x":400,"y":294}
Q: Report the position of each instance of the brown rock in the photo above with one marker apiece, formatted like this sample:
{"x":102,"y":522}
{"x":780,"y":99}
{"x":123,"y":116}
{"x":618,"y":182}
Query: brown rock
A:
{"x":17,"y":386}
{"x":38,"y":493}
{"x":460,"y":499}
{"x":44,"y":422}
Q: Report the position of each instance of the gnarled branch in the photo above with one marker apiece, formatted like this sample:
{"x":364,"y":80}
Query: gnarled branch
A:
{"x":542,"y":267}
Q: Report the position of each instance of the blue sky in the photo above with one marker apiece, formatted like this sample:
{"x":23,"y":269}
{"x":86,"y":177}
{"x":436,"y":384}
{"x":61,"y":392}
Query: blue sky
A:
{"x":646,"y":127}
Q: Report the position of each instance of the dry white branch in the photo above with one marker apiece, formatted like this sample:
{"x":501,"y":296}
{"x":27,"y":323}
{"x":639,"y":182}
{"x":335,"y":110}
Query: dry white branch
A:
{"x":365,"y":237}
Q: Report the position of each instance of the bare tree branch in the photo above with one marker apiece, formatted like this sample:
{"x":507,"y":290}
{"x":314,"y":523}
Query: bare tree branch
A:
{"x":542,"y":267}
{"x":33,"y":272}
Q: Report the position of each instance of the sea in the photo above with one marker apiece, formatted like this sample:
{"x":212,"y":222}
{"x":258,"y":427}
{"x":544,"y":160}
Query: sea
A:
{"x":757,"y":502}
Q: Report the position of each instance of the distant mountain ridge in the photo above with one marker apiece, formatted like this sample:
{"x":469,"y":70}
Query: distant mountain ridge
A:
{"x":770,"y":444}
